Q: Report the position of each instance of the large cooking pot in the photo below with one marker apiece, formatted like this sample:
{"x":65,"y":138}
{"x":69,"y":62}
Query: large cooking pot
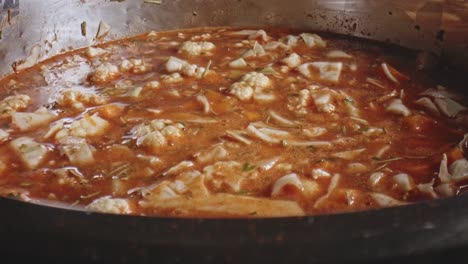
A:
{"x":437,"y":230}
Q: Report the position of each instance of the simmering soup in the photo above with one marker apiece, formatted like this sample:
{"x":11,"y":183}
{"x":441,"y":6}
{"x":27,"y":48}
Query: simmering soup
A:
{"x":223,"y":122}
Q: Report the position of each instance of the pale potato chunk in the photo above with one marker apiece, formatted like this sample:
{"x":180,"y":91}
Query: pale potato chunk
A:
{"x":29,"y":121}
{"x":313,"y":40}
{"x":110,"y":205}
{"x":326,"y":71}
{"x":77,"y":150}
{"x":30,"y":152}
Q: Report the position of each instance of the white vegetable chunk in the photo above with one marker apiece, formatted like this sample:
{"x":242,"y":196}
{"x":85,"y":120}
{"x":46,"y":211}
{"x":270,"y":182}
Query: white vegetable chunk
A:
{"x":105,"y":72}
{"x":227,"y":173}
{"x":428,"y":188}
{"x":313,"y":40}
{"x":92,"y":52}
{"x":387,"y":72}
{"x":249,"y":84}
{"x":4,"y":135}
{"x":216,"y":153}
{"x":320,"y":173}
{"x":293,"y":60}
{"x":88,"y":126}
{"x":110,"y":205}
{"x":287,"y":180}
{"x":385,"y":200}
{"x":290,"y":40}
{"x":204,"y":101}
{"x":326,"y":71}
{"x":134,"y":66}
{"x":238,"y":63}
{"x":404,"y":182}
{"x":13,"y":103}
{"x":156,"y":133}
{"x":78,"y":99}
{"x":196,"y":48}
{"x":30,"y":152}
{"x":28,"y":121}
{"x":349,"y":154}
{"x":459,"y":170}
{"x":338,"y":54}
{"x":375,"y":178}
{"x":77,"y":150}
{"x":397,"y":107}
{"x":174,"y":64}
{"x":445,"y":189}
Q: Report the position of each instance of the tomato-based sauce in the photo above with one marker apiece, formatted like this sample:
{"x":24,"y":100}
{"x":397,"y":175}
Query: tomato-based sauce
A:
{"x":222,"y":122}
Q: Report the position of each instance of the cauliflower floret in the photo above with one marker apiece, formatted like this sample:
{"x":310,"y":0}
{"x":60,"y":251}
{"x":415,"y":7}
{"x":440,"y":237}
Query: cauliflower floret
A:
{"x":30,"y":152}
{"x":172,"y":78}
{"x":152,"y":85}
{"x":78,"y":100}
{"x":13,"y":103}
{"x":298,"y":104}
{"x":249,"y":84}
{"x":95,"y":52}
{"x":157,"y":133}
{"x":322,"y":100}
{"x":177,"y":65}
{"x":292,"y":60}
{"x":110,"y":205}
{"x":196,"y":48}
{"x":105,"y":72}
{"x":133,"y":66}
{"x":88,"y":126}
{"x":28,"y":121}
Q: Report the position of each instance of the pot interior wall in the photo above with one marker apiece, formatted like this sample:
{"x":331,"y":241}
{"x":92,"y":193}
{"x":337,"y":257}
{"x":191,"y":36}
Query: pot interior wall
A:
{"x":35,"y":30}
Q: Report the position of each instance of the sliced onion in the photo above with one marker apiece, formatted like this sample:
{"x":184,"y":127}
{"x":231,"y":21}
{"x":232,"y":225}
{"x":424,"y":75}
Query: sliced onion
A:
{"x":387,"y":72}
{"x":260,"y":135}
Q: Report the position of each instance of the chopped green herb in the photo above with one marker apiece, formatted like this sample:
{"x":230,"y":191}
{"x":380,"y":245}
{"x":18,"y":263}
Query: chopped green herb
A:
{"x":1,"y":34}
{"x":348,"y":100}
{"x":247,"y":167}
